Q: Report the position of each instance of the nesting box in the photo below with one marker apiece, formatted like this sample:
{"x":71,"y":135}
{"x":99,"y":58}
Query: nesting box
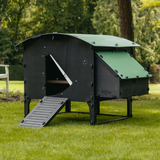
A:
{"x":60,"y":68}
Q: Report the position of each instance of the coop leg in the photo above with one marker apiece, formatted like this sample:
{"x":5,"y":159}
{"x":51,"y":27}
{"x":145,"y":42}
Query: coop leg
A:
{"x":68,"y":106}
{"x":98,"y":107}
{"x":129,"y":107}
{"x":26,"y":106}
{"x":93,"y":112}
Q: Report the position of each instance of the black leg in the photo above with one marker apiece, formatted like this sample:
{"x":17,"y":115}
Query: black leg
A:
{"x":26,"y":105}
{"x":98,"y":107}
{"x":93,"y":112}
{"x":129,"y":107}
{"x":68,"y":106}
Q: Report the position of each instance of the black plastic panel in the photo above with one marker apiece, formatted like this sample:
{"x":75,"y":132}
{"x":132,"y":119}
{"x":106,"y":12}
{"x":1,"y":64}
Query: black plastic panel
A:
{"x":133,"y":87}
{"x":34,"y":71}
{"x":77,"y":61}
{"x":74,"y":56}
{"x":107,"y":82}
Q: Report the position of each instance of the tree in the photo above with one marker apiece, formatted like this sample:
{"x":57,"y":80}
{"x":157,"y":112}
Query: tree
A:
{"x":5,"y":44}
{"x":150,"y":3}
{"x":126,"y":19}
{"x":67,"y":16}
{"x":106,"y":20}
{"x":14,"y":16}
{"x":4,"y":34}
{"x":3,"y":7}
{"x":26,"y":18}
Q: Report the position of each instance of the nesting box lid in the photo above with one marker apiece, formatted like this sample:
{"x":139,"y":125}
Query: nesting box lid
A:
{"x":123,"y":64}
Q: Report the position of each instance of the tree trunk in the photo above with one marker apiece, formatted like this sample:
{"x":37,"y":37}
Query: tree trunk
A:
{"x":126,"y":20}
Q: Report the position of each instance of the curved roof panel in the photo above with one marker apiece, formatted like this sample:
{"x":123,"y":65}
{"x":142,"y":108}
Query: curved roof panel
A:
{"x":95,"y":40}
{"x":105,"y":40}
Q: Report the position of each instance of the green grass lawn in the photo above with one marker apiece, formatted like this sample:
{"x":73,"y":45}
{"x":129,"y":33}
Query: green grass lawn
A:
{"x":70,"y":136}
{"x":13,"y":85}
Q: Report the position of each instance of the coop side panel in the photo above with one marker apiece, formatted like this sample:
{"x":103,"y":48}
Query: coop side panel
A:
{"x":34,"y":65}
{"x":134,"y":87}
{"x":79,"y":66}
{"x":107,"y":82}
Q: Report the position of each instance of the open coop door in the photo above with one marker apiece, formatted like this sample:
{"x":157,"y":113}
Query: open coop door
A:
{"x":56,"y":78}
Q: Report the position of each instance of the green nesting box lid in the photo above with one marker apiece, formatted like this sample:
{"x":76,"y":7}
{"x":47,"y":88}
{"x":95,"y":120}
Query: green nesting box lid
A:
{"x":123,"y":64}
{"x":105,"y":40}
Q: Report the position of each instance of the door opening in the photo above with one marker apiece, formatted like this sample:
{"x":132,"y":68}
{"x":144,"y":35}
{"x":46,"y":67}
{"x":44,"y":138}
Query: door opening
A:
{"x":56,"y":79}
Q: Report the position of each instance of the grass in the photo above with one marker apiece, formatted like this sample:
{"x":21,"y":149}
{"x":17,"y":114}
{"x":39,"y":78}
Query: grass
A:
{"x":13,"y":85}
{"x":70,"y":136}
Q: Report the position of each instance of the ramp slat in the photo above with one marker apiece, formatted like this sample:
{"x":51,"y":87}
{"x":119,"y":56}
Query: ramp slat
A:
{"x":44,"y":112}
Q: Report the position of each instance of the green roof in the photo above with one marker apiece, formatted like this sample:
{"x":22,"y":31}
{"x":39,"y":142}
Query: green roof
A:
{"x":125,"y":66}
{"x":93,"y":39}
{"x":105,"y":40}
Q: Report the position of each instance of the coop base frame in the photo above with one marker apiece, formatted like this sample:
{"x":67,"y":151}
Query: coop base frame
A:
{"x":114,"y":120}
{"x":129,"y":112}
{"x":94,"y":111}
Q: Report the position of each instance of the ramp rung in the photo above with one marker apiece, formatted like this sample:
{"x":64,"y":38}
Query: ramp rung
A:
{"x":39,"y":113}
{"x":38,"y":116}
{"x":44,"y":112}
{"x":29,"y":125}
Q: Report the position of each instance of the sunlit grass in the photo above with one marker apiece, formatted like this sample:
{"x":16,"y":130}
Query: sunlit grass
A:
{"x":154,"y":88}
{"x":70,"y":136}
{"x":13,"y":85}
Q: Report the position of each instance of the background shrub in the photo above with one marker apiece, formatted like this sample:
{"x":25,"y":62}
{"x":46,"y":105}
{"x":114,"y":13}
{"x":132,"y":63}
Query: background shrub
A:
{"x":16,"y":72}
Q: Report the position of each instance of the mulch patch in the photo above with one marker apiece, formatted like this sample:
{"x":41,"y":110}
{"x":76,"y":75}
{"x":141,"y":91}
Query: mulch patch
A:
{"x":8,"y":99}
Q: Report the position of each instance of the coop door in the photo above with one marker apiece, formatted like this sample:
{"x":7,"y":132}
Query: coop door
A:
{"x":56,"y":79}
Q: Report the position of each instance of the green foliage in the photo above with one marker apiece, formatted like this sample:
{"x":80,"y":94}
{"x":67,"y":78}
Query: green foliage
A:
{"x":154,"y":70}
{"x":106,"y":21}
{"x":16,"y":72}
{"x":13,"y":21}
{"x":3,"y":7}
{"x":150,"y":3}
{"x":106,"y":18}
{"x":5,"y":44}
{"x":27,"y":18}
{"x":147,"y":35}
{"x":67,"y":16}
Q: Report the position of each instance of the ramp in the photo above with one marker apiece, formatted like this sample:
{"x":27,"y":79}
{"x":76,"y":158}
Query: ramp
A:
{"x":44,"y":112}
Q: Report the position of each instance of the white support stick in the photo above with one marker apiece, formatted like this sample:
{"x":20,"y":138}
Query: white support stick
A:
{"x":64,"y":74}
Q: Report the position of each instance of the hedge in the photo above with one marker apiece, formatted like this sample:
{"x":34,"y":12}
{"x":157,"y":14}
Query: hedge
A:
{"x":16,"y":72}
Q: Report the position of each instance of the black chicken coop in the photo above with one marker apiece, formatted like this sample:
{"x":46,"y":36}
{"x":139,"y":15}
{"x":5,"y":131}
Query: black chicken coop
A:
{"x":60,"y":68}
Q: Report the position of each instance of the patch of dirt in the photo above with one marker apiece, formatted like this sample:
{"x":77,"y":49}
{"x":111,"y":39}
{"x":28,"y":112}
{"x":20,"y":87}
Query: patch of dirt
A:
{"x":14,"y":98}
{"x":11,"y":98}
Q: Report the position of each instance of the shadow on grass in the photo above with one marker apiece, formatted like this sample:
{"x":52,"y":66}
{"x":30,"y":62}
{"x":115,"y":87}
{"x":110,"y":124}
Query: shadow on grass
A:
{"x":138,"y":120}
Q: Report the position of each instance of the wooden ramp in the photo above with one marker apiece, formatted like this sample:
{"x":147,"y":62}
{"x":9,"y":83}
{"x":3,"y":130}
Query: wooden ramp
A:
{"x":44,"y":112}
